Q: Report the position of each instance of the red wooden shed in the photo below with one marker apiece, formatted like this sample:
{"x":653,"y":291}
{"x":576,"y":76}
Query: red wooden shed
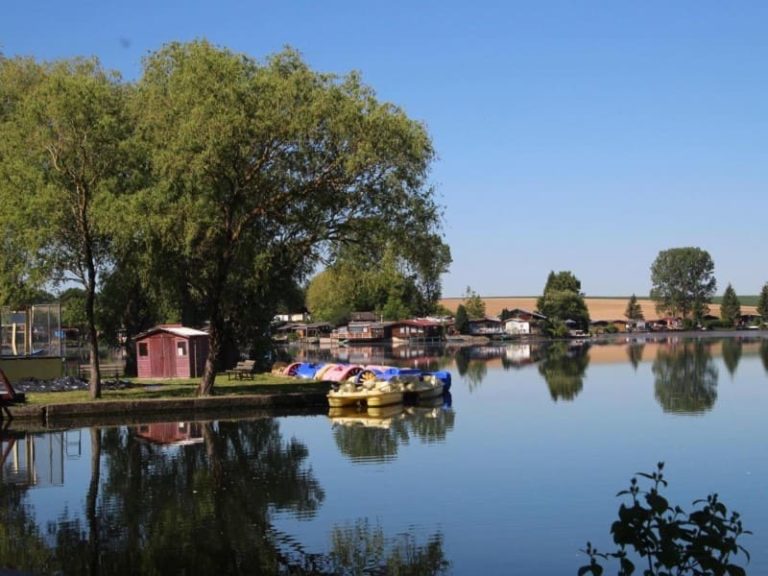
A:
{"x":171,"y":351}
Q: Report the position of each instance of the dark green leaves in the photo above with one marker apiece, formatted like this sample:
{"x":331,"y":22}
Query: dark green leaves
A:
{"x":666,"y":540}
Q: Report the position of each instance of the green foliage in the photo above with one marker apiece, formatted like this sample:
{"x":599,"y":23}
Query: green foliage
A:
{"x":634,"y":311}
{"x":330,"y":298}
{"x":64,"y":144}
{"x":357,"y":282}
{"x":261,"y":169}
{"x":730,"y":308}
{"x":562,"y":301}
{"x":762,"y":303}
{"x":473,"y":304}
{"x":210,"y":189}
{"x":564,"y":281}
{"x":683,"y":282}
{"x":461,"y":320}
{"x":73,"y":309}
{"x":665,"y":539}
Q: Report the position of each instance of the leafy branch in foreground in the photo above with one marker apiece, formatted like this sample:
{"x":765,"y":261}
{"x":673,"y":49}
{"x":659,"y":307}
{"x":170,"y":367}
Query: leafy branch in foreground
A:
{"x":669,"y":541}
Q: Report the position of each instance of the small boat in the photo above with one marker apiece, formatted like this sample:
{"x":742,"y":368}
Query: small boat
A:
{"x":371,"y":393}
{"x":340,"y":372}
{"x":430,"y":386}
{"x":305,"y":370}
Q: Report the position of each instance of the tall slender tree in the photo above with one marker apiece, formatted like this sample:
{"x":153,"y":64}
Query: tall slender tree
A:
{"x":730,"y":308}
{"x":634,"y":311}
{"x":762,"y":303}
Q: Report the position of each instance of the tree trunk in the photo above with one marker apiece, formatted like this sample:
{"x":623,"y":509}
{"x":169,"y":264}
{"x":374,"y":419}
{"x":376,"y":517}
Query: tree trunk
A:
{"x":214,"y":349}
{"x":216,"y":317}
{"x":94,"y":383}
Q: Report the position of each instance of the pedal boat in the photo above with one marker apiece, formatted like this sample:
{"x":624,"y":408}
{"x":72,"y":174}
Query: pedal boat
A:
{"x":370,"y":393}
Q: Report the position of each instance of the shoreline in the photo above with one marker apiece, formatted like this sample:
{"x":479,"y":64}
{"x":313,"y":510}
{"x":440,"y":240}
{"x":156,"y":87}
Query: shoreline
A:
{"x":133,"y":411}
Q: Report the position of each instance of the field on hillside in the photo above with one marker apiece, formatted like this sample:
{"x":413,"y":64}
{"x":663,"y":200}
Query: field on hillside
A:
{"x":599,"y":308}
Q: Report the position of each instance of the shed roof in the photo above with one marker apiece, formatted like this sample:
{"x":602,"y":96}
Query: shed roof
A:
{"x":175,"y":329}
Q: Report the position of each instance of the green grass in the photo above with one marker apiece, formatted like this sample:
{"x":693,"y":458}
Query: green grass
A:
{"x":147,"y":389}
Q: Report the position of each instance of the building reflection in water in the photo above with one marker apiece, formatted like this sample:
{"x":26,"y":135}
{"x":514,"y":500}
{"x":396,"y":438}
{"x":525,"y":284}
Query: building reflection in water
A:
{"x":37,"y":459}
{"x":171,"y":433}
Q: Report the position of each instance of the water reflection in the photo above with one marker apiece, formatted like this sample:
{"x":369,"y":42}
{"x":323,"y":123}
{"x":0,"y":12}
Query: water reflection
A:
{"x":764,"y":353}
{"x":36,"y":459}
{"x":362,"y":549}
{"x":563,"y":367}
{"x":635,"y":353}
{"x":423,"y":356}
{"x":375,"y":435}
{"x":191,"y":497}
{"x":732,"y":350}
{"x":685,"y":377}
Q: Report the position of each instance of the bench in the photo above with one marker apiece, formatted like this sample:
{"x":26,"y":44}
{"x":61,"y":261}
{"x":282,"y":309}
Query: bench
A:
{"x":243,"y":369}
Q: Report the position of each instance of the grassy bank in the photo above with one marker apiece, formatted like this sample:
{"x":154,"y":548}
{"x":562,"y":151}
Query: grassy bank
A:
{"x":143,"y":389}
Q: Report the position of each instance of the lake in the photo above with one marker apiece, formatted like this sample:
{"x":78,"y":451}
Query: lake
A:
{"x":511,"y":474}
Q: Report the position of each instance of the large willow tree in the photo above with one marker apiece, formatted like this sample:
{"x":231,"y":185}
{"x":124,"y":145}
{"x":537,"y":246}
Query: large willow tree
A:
{"x":261,"y":169}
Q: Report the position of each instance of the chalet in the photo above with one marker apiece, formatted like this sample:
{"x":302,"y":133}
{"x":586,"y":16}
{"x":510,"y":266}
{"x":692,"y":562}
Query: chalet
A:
{"x":357,"y":331}
{"x":171,"y":351}
{"x":485,"y":327}
{"x":417,"y":330}
{"x":523,"y":322}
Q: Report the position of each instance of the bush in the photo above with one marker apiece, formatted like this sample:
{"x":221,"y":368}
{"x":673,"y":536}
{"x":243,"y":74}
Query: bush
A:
{"x":668,"y":540}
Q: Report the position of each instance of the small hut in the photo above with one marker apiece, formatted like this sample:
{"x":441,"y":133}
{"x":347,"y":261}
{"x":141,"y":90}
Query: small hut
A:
{"x":171,"y":351}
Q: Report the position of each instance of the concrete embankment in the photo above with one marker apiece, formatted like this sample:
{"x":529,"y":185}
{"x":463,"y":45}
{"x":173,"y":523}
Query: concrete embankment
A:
{"x":130,"y":411}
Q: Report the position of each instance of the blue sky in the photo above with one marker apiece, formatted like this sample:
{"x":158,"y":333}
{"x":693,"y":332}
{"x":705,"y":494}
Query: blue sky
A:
{"x":583,"y":136}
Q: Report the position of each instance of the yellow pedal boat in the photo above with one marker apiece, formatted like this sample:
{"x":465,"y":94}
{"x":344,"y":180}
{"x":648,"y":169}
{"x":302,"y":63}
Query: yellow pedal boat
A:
{"x":372,"y":394}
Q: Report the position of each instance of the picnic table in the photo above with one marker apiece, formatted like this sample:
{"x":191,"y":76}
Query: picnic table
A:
{"x":243,"y":369}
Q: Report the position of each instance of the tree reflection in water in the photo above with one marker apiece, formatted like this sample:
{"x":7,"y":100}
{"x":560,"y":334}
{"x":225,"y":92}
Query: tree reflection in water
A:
{"x":685,"y":378}
{"x":375,"y":436}
{"x":732,"y":349}
{"x":764,"y":354}
{"x":361,"y":549}
{"x":202,"y":506}
{"x":635,"y":353}
{"x":563,"y":367}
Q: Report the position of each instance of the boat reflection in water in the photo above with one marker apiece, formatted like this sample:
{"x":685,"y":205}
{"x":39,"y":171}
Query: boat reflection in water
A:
{"x":375,"y":434}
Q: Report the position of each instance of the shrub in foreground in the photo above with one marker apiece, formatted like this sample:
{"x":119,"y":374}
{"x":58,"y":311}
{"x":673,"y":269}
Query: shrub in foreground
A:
{"x":668,"y":541}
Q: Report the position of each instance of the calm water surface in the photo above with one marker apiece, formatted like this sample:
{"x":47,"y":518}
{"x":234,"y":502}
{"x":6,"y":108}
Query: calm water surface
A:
{"x":510,"y":475}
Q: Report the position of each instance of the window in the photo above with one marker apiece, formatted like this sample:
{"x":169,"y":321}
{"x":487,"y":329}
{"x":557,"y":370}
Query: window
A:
{"x":181,"y":348}
{"x":143,"y":349}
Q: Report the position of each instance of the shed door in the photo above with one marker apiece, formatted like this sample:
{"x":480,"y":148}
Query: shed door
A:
{"x":161,"y":352}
